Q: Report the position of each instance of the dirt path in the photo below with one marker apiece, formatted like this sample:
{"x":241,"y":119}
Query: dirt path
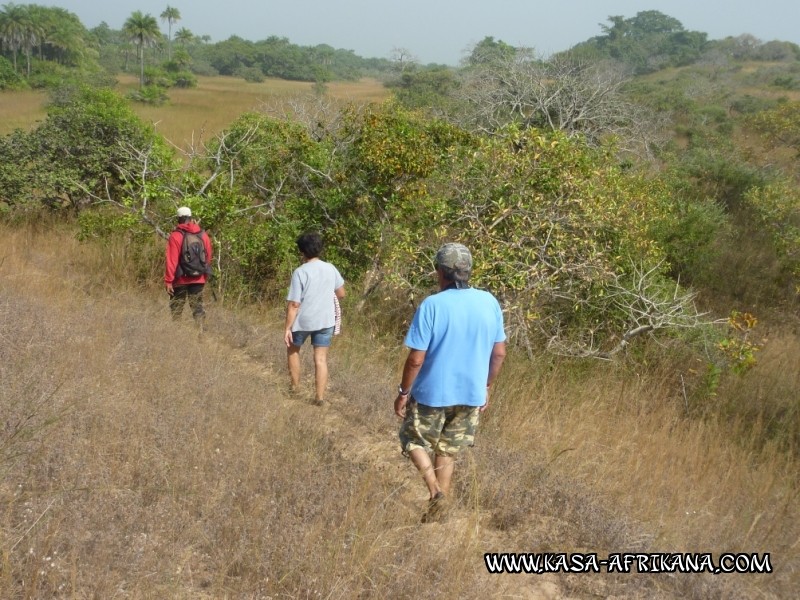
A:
{"x":376,"y":447}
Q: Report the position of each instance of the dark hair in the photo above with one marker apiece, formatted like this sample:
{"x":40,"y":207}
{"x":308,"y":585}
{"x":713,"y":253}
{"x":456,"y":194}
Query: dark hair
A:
{"x":310,"y":244}
{"x":459,"y":277}
{"x":183,"y":220}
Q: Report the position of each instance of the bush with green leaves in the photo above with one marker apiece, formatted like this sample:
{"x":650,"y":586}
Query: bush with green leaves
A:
{"x":9,"y":78}
{"x":777,"y":208}
{"x":149,"y":94}
{"x":560,"y":231}
{"x":50,"y":75}
{"x":156,"y":76}
{"x":250,"y":74}
{"x":780,"y":125}
{"x":84,"y":151}
{"x":259,"y":187}
{"x":183,"y":79}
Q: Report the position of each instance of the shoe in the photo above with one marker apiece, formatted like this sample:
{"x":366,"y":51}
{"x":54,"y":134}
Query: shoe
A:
{"x":437,"y":509}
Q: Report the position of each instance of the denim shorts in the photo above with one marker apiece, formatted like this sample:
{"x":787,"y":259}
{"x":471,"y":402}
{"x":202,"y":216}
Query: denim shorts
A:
{"x":321,"y":337}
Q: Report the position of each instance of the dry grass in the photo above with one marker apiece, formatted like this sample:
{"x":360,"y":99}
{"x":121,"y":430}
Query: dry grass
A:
{"x":136,"y":462}
{"x":195,"y":113}
{"x":21,"y":110}
{"x":203,"y":111}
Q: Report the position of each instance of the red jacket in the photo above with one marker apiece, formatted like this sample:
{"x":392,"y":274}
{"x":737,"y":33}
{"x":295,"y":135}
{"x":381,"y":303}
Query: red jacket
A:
{"x":174,"y":244}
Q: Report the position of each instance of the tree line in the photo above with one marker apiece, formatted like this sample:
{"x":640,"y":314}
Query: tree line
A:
{"x":42,"y":44}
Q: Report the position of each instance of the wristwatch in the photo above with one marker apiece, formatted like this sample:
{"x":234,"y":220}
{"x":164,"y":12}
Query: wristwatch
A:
{"x":401,"y":391}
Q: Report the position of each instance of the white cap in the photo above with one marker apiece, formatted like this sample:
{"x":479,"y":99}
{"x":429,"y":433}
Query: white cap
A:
{"x":184,"y":211}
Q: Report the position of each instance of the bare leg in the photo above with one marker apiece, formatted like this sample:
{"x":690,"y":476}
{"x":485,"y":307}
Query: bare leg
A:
{"x":444,"y":472}
{"x":320,"y":371}
{"x":293,"y":360}
{"x":424,"y":465}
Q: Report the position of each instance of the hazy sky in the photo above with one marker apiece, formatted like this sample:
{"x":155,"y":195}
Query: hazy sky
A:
{"x":441,"y":30}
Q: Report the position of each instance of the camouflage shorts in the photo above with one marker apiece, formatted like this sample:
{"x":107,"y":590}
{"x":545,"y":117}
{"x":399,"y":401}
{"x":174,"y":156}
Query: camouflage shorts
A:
{"x":445,"y":430}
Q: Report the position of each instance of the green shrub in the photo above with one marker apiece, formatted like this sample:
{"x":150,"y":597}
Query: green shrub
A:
{"x":786,"y":82}
{"x":183,"y":79}
{"x":748,"y":104}
{"x":9,"y":78}
{"x":688,"y":231}
{"x":251,"y":74}
{"x":149,"y":94}
{"x":203,"y":68}
{"x":154,"y":76}
{"x":81,"y":152}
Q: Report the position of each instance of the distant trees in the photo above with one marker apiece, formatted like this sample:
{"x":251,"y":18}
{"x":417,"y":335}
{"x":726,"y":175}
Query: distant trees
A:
{"x":171,"y":15}
{"x":183,"y":36}
{"x":646,"y":42}
{"x":143,"y":31}
{"x":278,"y":57}
{"x":490,"y":51}
{"x":55,"y":34}
{"x":500,"y":85}
{"x":749,"y":47}
{"x":64,"y":38}
{"x":429,"y":88}
{"x":19,"y":31}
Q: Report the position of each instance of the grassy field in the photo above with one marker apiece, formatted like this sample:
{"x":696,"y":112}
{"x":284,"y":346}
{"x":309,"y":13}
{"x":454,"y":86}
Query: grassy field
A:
{"x":196,"y":113}
{"x":21,"y":110}
{"x":140,"y":461}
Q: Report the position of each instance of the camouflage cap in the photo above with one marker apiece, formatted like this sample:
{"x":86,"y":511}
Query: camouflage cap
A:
{"x":455,"y":257}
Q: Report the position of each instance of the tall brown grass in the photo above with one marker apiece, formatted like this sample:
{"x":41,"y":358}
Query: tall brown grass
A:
{"x":140,"y":460}
{"x":21,"y":110}
{"x":194,"y":114}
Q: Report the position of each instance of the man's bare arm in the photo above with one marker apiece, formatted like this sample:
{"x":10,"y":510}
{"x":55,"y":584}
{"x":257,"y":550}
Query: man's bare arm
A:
{"x":291,"y":315}
{"x":495,"y":364}
{"x":411,"y":369}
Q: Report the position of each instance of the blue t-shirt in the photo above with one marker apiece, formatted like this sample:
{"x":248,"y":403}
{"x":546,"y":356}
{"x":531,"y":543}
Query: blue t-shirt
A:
{"x":458,"y":330}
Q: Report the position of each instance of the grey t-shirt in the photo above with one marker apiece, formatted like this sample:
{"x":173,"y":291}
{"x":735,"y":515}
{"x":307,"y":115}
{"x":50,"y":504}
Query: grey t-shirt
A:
{"x":313,"y":285}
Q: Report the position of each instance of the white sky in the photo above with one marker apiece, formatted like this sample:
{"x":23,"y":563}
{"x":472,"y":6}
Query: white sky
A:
{"x":440,"y":30}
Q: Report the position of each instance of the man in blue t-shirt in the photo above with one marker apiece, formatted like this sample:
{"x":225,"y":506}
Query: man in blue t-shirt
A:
{"x":456,"y":349}
{"x":311,"y":312}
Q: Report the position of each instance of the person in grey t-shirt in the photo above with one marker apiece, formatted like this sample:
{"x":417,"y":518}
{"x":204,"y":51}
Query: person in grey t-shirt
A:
{"x":310,"y":312}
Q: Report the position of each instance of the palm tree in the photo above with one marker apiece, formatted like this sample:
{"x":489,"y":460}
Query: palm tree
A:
{"x":170,"y":15}
{"x":67,"y":41}
{"x":34,"y":33}
{"x":64,"y":38}
{"x":15,"y":29}
{"x":143,"y":31}
{"x":183,"y":36}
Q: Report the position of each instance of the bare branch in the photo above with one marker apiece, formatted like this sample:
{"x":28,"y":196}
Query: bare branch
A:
{"x":648,"y":307}
{"x":579,"y":98}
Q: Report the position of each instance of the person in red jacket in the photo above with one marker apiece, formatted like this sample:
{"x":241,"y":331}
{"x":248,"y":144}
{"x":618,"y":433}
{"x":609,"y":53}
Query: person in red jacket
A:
{"x":181,"y":286}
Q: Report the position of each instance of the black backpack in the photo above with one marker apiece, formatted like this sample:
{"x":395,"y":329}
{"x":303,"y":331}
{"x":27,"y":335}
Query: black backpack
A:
{"x":193,"y":261}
